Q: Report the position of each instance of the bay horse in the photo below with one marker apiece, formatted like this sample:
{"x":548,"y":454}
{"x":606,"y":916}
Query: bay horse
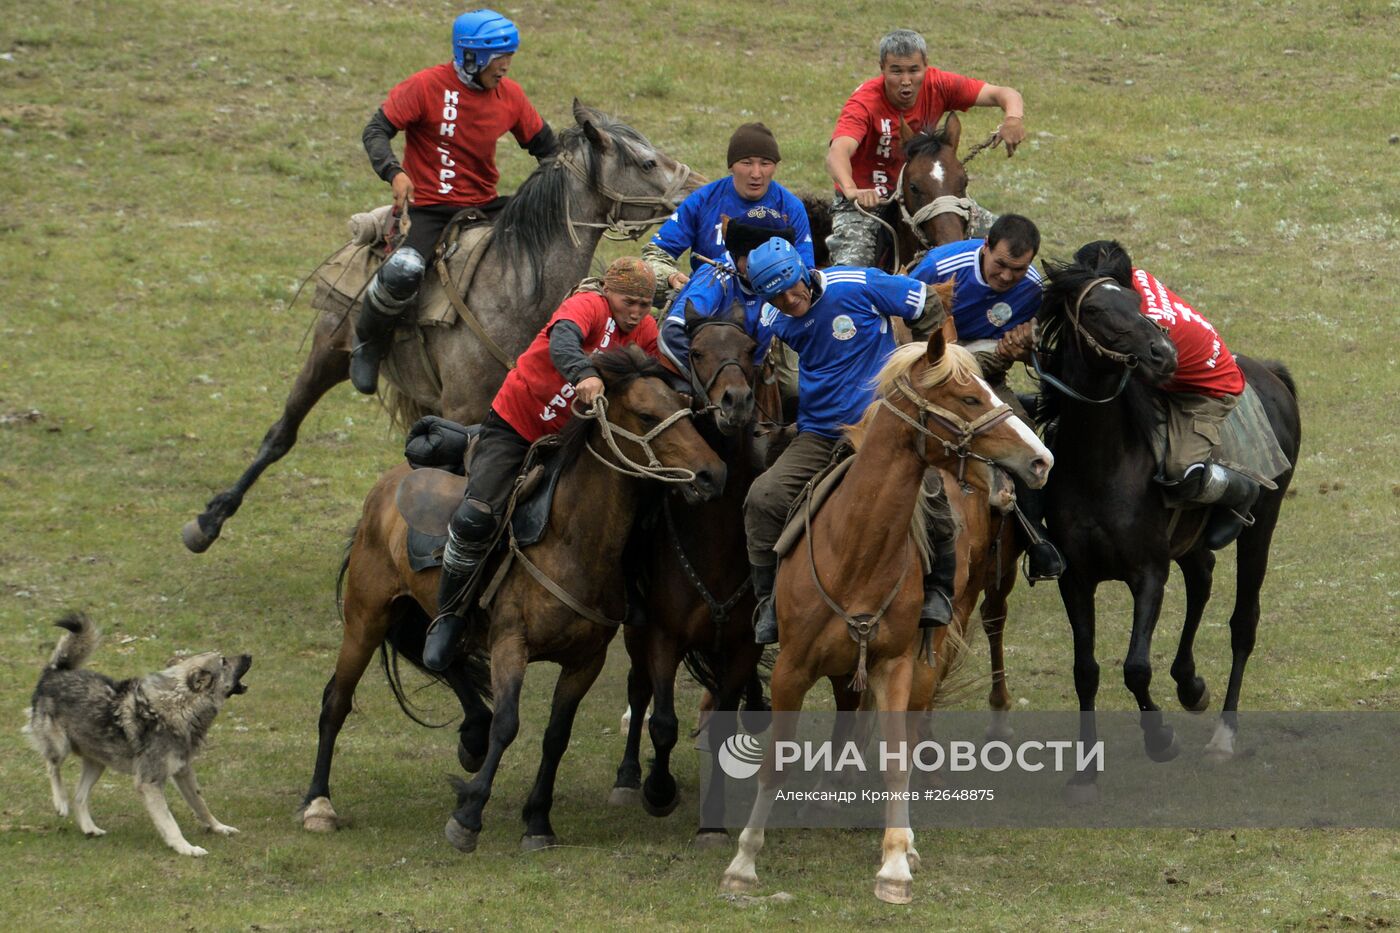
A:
{"x":646,"y":435}
{"x":699,"y":601}
{"x":606,"y":176}
{"x":850,"y":591}
{"x":1106,"y":512}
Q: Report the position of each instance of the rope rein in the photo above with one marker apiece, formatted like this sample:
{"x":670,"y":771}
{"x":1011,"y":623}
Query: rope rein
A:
{"x":652,"y":469}
{"x":1128,"y":360}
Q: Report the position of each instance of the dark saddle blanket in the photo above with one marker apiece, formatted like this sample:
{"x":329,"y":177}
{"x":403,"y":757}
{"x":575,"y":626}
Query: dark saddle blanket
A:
{"x":429,"y":495}
{"x":1247,"y":441}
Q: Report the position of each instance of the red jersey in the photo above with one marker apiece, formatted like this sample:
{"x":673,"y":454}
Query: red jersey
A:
{"x":1203,"y":363}
{"x":535,"y":399}
{"x":873,"y":121}
{"x":451,"y":132}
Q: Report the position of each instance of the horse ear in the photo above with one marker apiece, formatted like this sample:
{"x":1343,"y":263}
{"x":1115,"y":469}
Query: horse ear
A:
{"x":723,"y":226}
{"x":580,"y":112}
{"x":953,"y":127}
{"x":936,"y":347}
{"x":906,"y":132}
{"x":692,"y":317}
{"x":737,"y":316}
{"x":596,"y":139}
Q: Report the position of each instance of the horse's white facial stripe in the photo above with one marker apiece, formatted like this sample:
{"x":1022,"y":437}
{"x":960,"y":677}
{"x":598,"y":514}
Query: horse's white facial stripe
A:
{"x":936,"y":173}
{"x":1022,"y":429}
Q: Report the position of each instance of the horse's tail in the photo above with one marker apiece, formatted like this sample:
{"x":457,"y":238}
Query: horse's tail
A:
{"x":344,"y":570}
{"x":412,"y":620}
{"x":954,"y":683}
{"x":1281,"y":371}
{"x":403,"y":411}
{"x":704,"y":665}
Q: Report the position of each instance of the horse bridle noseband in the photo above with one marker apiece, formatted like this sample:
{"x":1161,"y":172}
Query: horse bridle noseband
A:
{"x":1129,"y":361}
{"x":616,"y":227}
{"x":963,"y":430}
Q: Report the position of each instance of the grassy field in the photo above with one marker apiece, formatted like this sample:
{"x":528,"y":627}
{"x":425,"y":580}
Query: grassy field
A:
{"x":168,"y":173}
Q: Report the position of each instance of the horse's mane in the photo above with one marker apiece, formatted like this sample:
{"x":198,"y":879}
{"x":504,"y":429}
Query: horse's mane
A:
{"x":957,"y":364}
{"x":618,"y":368}
{"x":529,"y":221}
{"x":929,"y":142}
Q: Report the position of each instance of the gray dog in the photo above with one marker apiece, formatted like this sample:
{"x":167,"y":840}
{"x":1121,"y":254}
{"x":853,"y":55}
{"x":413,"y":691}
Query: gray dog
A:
{"x":150,"y":727}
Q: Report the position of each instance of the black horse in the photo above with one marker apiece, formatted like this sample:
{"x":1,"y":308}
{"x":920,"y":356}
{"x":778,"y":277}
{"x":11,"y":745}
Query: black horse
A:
{"x":1107,"y":513}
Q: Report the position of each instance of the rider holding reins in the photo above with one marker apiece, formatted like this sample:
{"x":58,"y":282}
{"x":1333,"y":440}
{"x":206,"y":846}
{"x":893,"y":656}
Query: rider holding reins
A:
{"x":536,"y":399}
{"x":451,"y":116}
{"x":864,"y":157}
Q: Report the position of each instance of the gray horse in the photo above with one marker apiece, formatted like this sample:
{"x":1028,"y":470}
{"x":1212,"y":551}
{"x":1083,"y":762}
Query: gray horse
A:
{"x":606,"y":176}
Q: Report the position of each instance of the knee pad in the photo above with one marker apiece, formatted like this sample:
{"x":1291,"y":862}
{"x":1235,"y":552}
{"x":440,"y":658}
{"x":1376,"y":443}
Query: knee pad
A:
{"x":471,"y":522}
{"x":396,"y":283}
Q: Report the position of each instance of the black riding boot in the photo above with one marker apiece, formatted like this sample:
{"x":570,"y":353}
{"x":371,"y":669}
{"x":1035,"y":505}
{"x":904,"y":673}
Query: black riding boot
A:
{"x":387,"y":296}
{"x":1230,"y":514}
{"x":938,"y":584}
{"x":765,"y":617}
{"x":1043,"y":559}
{"x":469,"y":537}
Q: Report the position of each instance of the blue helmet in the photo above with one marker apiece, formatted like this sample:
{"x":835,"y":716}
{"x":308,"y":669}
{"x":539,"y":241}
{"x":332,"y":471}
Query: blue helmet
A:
{"x":481,"y":35}
{"x":774,"y":267}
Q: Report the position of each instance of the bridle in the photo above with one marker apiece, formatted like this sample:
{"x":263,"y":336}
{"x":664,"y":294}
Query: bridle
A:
{"x":616,"y":227}
{"x":943,"y":204}
{"x":964,"y":432}
{"x":1129,"y":361}
{"x":702,"y":390}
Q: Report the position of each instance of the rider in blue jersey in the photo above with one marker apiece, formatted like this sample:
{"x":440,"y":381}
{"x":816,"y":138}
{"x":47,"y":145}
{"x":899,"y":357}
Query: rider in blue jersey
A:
{"x":697,"y":224}
{"x":714,"y":289}
{"x":838,"y":321}
{"x":996,"y":294}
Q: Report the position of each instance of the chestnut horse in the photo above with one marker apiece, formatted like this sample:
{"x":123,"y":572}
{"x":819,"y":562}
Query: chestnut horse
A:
{"x":642,"y":432}
{"x":850,"y":591}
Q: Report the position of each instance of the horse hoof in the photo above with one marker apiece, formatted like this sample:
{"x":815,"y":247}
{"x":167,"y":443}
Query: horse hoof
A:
{"x":320,"y":817}
{"x":624,"y":797}
{"x":665,"y":809}
{"x":1163,"y":751}
{"x":894,"y":892}
{"x":462,"y":839}
{"x":756,"y":721}
{"x":1000,"y":731}
{"x":195,"y":537}
{"x":1081,"y":795}
{"x":711,"y":839}
{"x":470,"y":763}
{"x":737,"y":884}
{"x":530,"y":843}
{"x":1218,"y":754}
{"x":1200,"y":705}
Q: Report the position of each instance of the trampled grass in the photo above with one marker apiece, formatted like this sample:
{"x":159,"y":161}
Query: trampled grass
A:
{"x":168,"y":173}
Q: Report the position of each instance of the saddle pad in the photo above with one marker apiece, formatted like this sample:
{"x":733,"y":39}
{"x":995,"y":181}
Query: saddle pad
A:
{"x":434,"y":307}
{"x":1247,"y":442}
{"x":818,"y":489}
{"x":427,"y":497}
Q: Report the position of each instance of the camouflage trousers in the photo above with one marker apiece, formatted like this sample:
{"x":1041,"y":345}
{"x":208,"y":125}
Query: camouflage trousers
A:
{"x":854,"y":236}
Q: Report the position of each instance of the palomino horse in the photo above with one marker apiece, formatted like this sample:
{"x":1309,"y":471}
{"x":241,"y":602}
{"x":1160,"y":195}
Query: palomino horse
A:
{"x":1107,"y":514}
{"x":699,"y":602}
{"x":856,"y":571}
{"x":607,"y":175}
{"x":645,"y":432}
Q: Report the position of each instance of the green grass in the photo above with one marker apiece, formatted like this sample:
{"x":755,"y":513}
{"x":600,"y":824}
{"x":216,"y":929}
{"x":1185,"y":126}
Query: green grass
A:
{"x":170,"y":171}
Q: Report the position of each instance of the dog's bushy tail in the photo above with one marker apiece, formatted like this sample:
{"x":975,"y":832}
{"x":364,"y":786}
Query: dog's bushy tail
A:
{"x":74,"y":647}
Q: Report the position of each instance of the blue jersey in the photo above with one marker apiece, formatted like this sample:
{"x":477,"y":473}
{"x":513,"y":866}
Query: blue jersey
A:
{"x":712,"y":291}
{"x":979,"y":312}
{"x":843,"y":340}
{"x":695,"y":225}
